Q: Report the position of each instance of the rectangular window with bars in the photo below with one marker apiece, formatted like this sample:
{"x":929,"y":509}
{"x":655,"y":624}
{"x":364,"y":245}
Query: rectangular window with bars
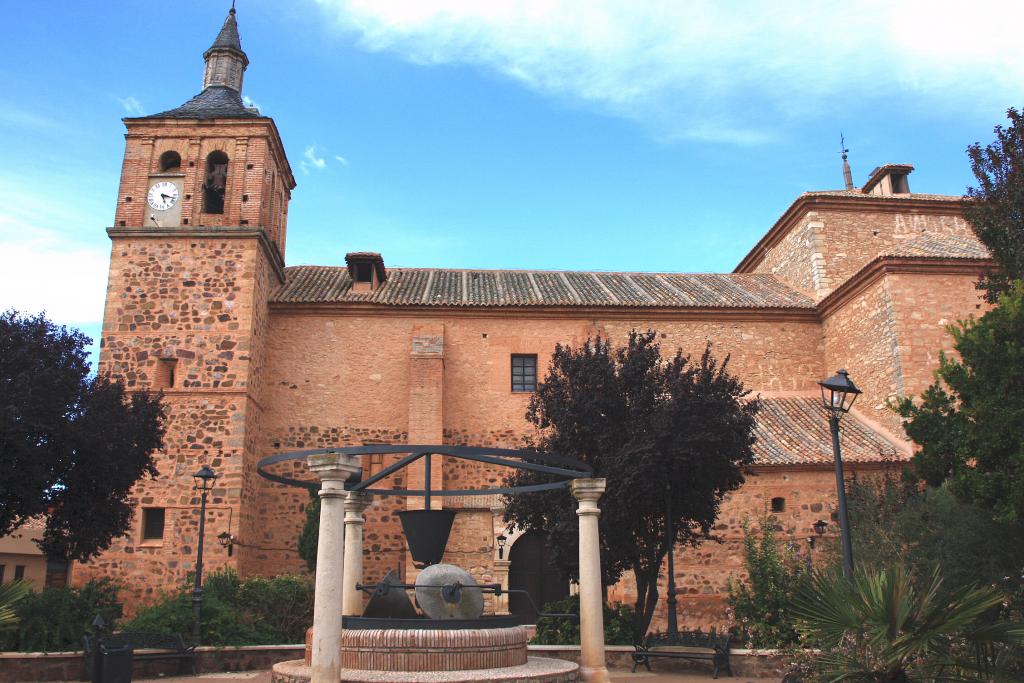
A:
{"x":524,"y":372}
{"x":153,"y":524}
{"x":19,"y":572}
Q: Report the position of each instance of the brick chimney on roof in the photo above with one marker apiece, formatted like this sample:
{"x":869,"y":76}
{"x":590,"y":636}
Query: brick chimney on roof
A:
{"x":366,"y":268}
{"x":887,"y":180}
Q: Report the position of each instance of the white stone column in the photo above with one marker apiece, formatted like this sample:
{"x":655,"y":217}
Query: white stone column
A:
{"x":355,"y":504}
{"x":592,"y":665}
{"x":333,"y":469}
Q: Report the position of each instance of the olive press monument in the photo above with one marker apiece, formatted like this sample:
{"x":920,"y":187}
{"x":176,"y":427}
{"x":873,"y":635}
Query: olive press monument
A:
{"x":444,"y":635}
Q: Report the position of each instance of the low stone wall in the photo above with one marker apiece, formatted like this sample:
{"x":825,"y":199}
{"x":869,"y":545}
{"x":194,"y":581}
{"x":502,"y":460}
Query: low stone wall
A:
{"x":23,"y":667}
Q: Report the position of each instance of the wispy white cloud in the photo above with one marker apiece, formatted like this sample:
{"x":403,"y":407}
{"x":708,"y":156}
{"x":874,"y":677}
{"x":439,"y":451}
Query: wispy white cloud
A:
{"x":710,"y":69}
{"x":13,"y":115}
{"x":132,"y":105}
{"x":45,"y":268}
{"x":311,"y":160}
{"x":250,"y":102}
{"x":341,"y":160}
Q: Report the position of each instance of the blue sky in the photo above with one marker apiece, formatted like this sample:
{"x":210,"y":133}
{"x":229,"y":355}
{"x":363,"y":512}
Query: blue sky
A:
{"x":598,"y":135}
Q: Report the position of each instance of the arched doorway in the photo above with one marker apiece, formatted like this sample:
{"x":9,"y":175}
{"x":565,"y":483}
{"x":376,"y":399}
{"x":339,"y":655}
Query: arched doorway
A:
{"x":531,"y":569}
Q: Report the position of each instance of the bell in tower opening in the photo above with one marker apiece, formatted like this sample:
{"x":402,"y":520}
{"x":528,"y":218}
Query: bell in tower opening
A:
{"x":216,"y":182}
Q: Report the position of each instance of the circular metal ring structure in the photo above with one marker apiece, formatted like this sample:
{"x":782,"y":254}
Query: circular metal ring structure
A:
{"x":563,"y":468}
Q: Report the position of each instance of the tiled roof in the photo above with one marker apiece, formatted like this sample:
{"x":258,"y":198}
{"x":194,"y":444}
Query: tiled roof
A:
{"x":438,"y":287}
{"x":215,"y":102}
{"x":858,"y":194}
{"x":795,"y":431}
{"x":930,"y":245}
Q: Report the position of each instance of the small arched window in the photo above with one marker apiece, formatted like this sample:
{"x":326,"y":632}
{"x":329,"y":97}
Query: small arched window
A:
{"x":778,"y":505}
{"x":170,"y":161}
{"x":216,"y":182}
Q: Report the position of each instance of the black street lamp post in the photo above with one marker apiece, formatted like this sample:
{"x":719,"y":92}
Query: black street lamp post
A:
{"x":204,"y":479}
{"x":838,"y":394}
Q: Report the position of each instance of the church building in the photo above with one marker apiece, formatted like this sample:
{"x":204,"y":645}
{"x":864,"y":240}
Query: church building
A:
{"x":256,"y":357}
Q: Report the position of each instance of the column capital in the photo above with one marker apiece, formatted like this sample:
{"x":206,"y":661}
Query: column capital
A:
{"x":588,"y":489}
{"x":356,"y":503}
{"x":332,"y":466}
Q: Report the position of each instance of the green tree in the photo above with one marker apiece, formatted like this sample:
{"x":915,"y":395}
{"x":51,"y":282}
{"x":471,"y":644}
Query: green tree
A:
{"x":71,"y":446}
{"x":929,"y":527}
{"x":996,"y":207}
{"x":310,"y":535}
{"x":762,"y":603}
{"x":968,"y":423}
{"x":659,"y":430}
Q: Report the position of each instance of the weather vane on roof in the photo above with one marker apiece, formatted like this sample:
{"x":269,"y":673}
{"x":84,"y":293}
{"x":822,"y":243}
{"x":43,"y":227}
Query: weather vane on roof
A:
{"x":843,"y":151}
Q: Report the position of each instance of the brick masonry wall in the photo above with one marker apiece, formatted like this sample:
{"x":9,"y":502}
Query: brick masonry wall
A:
{"x":793,"y":258}
{"x":891,"y":334}
{"x":924,"y":307}
{"x":825,"y":247}
{"x":854,"y":238}
{"x":862,"y":336}
{"x":258,"y":183}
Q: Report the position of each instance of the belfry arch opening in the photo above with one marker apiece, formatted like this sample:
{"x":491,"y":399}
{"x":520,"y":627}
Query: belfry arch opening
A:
{"x":170,"y":161}
{"x":216,"y":182}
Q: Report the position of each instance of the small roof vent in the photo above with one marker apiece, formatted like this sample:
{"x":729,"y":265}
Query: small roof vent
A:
{"x":366,"y":268}
{"x":889,"y":179}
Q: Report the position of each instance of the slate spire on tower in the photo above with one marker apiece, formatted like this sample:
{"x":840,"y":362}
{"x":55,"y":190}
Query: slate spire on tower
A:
{"x":221,"y":96}
{"x":225,"y":60}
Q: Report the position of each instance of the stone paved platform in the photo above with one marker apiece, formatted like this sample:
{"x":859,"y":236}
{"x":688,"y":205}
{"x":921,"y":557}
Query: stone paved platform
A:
{"x":617,"y":676}
{"x":536,"y":670}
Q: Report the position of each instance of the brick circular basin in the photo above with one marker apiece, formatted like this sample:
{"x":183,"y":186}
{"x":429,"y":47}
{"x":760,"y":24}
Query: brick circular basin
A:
{"x":433,"y":649}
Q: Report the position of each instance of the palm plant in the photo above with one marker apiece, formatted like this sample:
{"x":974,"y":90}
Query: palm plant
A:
{"x":886,"y":627}
{"x":10,"y":593}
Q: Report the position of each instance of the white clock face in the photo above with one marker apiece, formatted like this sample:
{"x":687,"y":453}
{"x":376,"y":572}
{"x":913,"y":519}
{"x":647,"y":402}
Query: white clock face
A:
{"x":162,"y":195}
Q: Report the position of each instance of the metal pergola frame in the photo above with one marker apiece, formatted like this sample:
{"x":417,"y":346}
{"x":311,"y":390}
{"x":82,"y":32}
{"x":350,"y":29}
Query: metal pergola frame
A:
{"x":519,"y":459}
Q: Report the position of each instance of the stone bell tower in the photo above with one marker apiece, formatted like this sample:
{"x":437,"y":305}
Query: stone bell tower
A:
{"x":197,"y":247}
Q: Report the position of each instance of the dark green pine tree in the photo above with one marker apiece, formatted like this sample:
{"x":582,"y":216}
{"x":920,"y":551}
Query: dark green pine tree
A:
{"x":970,"y":422}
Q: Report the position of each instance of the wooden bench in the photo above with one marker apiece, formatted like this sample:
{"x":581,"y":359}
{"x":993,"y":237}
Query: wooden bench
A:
{"x":145,"y":646}
{"x":686,"y":645}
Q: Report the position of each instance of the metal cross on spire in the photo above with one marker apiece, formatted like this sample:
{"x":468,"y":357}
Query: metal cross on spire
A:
{"x":843,"y":151}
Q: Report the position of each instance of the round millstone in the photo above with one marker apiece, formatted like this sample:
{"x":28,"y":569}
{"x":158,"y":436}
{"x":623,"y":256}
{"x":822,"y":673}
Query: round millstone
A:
{"x":430,"y":598}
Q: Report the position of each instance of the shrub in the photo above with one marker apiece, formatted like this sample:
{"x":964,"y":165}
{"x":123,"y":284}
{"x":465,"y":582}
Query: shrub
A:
{"x":11,"y":593}
{"x":618,"y":624}
{"x":58,"y":618}
{"x":256,"y":611}
{"x":888,"y":625}
{"x":761,"y":604}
